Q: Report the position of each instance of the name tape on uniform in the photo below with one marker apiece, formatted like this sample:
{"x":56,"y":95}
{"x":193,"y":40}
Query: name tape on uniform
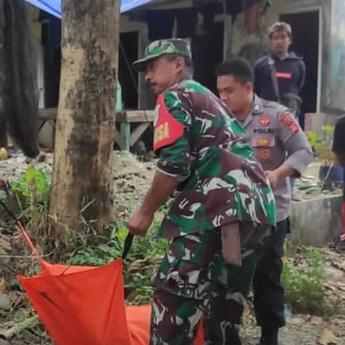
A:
{"x":263,"y":131}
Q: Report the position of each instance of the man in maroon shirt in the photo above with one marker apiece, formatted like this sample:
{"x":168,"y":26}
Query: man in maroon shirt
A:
{"x":339,"y":151}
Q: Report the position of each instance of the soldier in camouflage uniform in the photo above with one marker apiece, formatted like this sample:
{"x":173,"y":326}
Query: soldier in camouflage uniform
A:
{"x":222,"y":216}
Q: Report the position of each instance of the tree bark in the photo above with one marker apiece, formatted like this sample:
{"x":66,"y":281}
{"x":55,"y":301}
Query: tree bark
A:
{"x":82,"y":172}
{"x":3,"y":117}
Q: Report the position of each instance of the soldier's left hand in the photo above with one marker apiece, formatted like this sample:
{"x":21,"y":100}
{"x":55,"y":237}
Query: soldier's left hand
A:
{"x":273,"y":178}
{"x":139,"y":223}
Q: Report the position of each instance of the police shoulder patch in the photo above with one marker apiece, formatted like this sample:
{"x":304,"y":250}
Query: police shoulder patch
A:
{"x":167,"y":129}
{"x":288,"y":120}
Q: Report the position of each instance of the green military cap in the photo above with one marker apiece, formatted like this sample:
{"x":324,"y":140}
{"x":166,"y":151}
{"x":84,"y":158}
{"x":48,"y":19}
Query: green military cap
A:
{"x":162,"y":47}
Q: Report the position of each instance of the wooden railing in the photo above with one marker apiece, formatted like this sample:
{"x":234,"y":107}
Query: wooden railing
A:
{"x":125,"y":138}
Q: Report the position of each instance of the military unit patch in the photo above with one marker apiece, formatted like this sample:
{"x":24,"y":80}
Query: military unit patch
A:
{"x":167,"y":129}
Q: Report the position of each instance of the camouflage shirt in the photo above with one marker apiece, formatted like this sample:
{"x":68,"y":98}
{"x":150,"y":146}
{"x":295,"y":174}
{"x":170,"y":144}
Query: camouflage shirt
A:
{"x":203,"y":146}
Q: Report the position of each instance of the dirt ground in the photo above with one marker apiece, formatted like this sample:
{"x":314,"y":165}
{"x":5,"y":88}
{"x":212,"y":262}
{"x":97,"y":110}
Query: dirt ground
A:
{"x":132,"y":179}
{"x":300,"y":330}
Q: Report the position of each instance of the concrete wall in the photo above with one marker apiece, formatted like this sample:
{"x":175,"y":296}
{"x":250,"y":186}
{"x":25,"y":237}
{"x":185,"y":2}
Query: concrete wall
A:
{"x":318,"y":221}
{"x":336,"y":67}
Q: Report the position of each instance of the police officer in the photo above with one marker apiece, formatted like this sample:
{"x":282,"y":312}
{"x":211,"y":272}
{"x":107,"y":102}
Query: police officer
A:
{"x":280,"y":76}
{"x":283,"y":150}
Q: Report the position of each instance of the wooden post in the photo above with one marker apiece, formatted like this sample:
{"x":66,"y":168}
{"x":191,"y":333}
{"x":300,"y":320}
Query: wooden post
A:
{"x":82,"y":174}
{"x":125,"y":136}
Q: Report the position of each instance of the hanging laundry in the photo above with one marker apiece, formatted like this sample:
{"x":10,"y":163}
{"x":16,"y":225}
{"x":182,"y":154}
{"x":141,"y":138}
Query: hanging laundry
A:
{"x":234,"y":8}
{"x":186,"y":21}
{"x":266,"y":4}
{"x":252,"y":14}
{"x":208,"y":11}
{"x":51,"y":33}
{"x":160,"y":23}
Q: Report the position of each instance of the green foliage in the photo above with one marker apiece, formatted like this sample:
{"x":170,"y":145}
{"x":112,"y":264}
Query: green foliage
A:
{"x":322,"y":144}
{"x":139,"y":267}
{"x":304,"y":279}
{"x":41,"y":181}
{"x":31,"y":190}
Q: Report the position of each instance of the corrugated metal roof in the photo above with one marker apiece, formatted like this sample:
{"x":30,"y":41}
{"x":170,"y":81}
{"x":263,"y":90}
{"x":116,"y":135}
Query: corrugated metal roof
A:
{"x":54,"y":6}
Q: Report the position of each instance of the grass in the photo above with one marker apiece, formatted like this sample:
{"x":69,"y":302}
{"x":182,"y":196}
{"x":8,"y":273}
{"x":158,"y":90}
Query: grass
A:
{"x":304,"y":274}
{"x":85,"y":248}
{"x":304,"y":280}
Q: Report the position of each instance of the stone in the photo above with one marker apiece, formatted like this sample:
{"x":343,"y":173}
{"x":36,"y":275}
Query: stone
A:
{"x":295,"y":321}
{"x":4,"y":257}
{"x":318,"y":221}
{"x":5,"y":303}
{"x":4,"y":342}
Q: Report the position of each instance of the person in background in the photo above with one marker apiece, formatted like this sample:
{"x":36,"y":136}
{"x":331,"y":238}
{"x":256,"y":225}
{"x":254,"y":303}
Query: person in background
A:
{"x":282,"y":149}
{"x":339,"y":151}
{"x":280,"y":75}
{"x":219,"y":222}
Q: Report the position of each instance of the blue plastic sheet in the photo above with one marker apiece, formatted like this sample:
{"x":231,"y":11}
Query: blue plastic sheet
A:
{"x":54,"y":6}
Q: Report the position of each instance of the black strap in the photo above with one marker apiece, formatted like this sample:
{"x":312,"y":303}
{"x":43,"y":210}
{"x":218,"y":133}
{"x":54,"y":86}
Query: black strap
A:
{"x":273,"y":70}
{"x":6,"y":187}
{"x":127,"y":246}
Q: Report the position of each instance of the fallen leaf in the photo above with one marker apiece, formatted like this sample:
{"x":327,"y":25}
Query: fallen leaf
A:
{"x":5,"y":244}
{"x":327,"y":337}
{"x":131,"y":296}
{"x":2,"y":285}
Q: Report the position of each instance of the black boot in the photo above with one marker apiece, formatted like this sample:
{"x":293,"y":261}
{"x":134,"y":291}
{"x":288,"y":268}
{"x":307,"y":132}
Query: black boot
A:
{"x":269,"y":336}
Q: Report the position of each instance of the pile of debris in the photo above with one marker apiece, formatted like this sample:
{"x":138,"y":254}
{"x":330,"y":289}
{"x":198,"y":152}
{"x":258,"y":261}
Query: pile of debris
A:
{"x":132,"y":178}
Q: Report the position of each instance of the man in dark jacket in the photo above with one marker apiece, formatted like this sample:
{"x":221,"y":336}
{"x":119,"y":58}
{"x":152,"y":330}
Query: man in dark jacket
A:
{"x":286,"y":68}
{"x":280,"y":75}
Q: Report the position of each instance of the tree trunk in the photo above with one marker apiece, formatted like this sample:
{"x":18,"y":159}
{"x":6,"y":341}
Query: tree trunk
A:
{"x":3,"y":115}
{"x":85,"y":123}
{"x":3,"y":118}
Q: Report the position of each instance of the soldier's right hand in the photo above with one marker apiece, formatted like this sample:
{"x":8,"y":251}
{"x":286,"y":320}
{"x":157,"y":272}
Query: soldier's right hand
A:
{"x":139,"y":223}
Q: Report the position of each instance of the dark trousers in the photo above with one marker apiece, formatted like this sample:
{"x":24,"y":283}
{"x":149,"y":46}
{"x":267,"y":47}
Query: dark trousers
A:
{"x":268,"y":290}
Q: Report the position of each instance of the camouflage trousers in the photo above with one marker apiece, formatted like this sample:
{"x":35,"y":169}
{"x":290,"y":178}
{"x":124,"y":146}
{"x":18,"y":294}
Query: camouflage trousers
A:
{"x":195,"y":283}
